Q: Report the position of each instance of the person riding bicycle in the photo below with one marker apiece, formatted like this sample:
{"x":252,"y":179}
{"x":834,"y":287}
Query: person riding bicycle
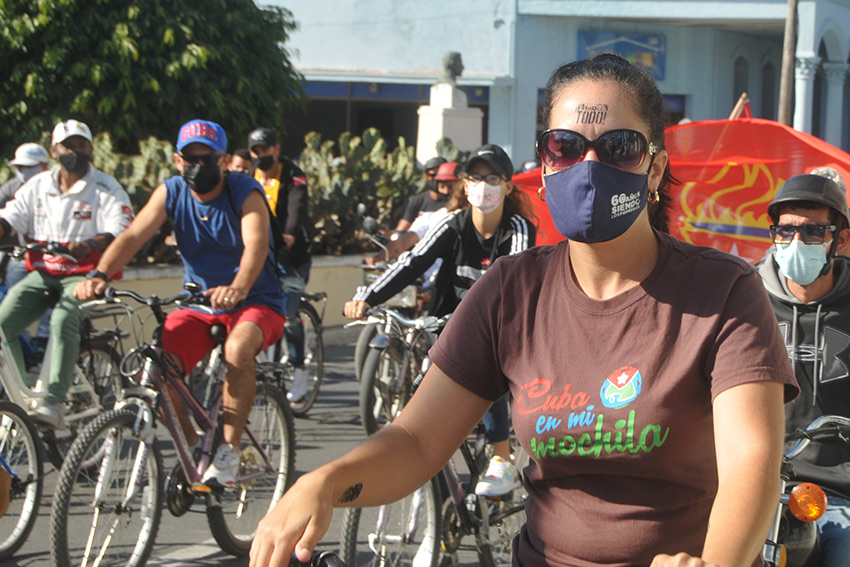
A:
{"x":221,"y":224}
{"x":809,"y":288}
{"x":76,"y":205}
{"x":647,"y":375}
{"x":447,"y":181}
{"x":467,"y":241}
{"x":285,"y":186}
{"x":429,"y":200}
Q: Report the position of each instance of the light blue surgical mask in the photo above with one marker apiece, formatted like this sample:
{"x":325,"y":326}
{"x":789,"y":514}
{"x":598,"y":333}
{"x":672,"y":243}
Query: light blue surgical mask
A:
{"x":802,"y":263}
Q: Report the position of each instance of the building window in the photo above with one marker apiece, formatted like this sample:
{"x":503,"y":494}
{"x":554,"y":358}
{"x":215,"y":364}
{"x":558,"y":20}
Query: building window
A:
{"x":336,"y":107}
{"x":768,"y":92}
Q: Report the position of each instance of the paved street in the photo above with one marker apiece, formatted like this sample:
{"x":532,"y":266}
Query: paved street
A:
{"x":331,"y":427}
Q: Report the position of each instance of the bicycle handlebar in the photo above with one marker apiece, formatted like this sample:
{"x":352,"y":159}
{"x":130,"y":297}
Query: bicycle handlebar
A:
{"x":823,"y":426}
{"x":426,"y":322}
{"x":318,"y":559}
{"x":55,"y":248}
{"x":193,"y":298}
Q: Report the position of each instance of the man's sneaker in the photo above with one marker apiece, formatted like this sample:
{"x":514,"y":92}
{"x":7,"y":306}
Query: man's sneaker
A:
{"x":299,"y":385}
{"x":501,"y":477}
{"x":224,"y":468}
{"x":51,"y":414}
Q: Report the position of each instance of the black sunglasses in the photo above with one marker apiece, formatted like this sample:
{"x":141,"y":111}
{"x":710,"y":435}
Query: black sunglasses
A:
{"x":205,"y":159}
{"x":809,"y":233}
{"x":492,"y":179}
{"x":623,"y":149}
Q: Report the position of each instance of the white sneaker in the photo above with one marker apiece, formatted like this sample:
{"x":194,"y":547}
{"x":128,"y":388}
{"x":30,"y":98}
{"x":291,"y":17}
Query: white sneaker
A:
{"x":51,"y":414}
{"x":224,"y":468}
{"x":501,"y":477}
{"x":299,"y":385}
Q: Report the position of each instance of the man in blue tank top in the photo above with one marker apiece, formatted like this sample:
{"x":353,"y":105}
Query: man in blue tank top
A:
{"x":221,"y":223}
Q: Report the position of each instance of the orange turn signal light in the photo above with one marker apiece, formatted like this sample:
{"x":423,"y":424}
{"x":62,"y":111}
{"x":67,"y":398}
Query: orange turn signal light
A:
{"x":807,"y":502}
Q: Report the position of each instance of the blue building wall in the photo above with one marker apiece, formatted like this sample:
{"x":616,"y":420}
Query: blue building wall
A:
{"x":509,"y":49}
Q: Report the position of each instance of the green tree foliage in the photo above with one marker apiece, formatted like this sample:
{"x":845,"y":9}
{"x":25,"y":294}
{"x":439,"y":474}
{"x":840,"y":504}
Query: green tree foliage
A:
{"x":356,"y":169}
{"x":140,"y":68}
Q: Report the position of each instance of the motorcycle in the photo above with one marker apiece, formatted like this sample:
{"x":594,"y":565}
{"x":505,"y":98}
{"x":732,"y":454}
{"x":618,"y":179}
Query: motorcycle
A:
{"x":794,"y":537}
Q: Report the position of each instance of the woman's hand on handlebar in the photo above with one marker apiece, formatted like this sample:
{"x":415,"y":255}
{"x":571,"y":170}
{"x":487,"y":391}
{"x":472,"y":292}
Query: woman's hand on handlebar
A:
{"x":679,"y":560}
{"x":296,"y":523}
{"x":90,"y":289}
{"x":355,"y":309}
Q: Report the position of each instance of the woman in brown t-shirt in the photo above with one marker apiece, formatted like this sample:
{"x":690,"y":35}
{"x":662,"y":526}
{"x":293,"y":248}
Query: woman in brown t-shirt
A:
{"x":647,"y":376}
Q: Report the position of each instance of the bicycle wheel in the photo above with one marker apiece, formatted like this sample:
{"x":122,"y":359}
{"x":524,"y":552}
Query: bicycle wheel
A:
{"x":120,"y":499}
{"x":101,"y":367}
{"x":314,"y":357}
{"x":233,"y":519}
{"x":385,"y":386}
{"x":20,"y":451}
{"x":361,"y":348}
{"x":403,"y":533}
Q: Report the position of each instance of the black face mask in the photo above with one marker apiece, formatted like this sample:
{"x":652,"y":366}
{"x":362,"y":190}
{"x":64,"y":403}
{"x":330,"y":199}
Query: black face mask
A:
{"x":265,"y":163}
{"x":74,"y":162}
{"x":202,"y":178}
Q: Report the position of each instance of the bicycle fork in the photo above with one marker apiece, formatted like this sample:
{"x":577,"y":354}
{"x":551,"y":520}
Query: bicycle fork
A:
{"x":111,"y":449}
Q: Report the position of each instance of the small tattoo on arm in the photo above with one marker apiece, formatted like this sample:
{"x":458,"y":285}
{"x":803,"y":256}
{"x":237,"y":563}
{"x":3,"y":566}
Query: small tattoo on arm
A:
{"x":351,"y":493}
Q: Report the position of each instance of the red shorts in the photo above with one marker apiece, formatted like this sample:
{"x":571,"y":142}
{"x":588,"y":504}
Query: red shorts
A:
{"x":187,"y":332}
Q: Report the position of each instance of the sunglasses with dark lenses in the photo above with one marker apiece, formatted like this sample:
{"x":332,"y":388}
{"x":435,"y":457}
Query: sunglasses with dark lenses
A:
{"x":623,"y":149}
{"x":809,"y":233}
{"x":203,"y":159}
{"x":492,"y":179}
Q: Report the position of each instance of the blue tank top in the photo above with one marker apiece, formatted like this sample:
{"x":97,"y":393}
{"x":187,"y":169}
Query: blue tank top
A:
{"x":209,"y":236}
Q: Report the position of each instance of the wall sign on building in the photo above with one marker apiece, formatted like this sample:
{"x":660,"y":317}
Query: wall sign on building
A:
{"x":648,"y":51}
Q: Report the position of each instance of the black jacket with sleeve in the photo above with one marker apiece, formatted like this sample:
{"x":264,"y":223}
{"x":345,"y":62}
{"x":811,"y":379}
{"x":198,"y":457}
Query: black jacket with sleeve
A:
{"x":465,"y":257}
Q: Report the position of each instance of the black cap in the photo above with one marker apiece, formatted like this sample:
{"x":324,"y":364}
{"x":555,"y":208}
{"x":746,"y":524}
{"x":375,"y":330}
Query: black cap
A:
{"x":495,"y":157}
{"x":262,"y":137}
{"x":813,"y":189}
{"x":434,"y":163}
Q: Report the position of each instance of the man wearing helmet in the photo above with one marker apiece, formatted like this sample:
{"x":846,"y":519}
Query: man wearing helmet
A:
{"x":809,"y":288}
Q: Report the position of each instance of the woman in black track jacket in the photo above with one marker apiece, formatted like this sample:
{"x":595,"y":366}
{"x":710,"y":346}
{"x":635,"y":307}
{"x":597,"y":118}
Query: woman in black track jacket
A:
{"x":488,"y":218}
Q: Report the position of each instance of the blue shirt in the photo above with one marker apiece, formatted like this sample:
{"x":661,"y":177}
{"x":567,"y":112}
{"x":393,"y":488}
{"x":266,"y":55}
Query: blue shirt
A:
{"x":209,"y":236}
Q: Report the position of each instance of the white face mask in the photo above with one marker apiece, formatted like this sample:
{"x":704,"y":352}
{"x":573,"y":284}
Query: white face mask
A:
{"x":802,"y":263}
{"x":483,"y":196}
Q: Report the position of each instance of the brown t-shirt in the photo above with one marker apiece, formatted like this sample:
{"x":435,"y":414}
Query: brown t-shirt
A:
{"x":613,"y":399}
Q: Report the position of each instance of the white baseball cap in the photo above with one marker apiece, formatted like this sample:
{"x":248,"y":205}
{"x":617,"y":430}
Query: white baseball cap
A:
{"x":29,"y":154}
{"x":65,"y":130}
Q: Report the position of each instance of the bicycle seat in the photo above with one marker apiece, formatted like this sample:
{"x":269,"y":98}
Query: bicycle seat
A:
{"x":219,"y":333}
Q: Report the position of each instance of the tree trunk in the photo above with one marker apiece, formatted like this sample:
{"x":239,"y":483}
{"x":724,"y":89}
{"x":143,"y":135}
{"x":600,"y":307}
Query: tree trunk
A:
{"x":786,"y":81}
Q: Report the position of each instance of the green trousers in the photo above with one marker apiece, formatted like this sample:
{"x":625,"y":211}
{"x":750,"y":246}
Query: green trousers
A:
{"x":25,"y":303}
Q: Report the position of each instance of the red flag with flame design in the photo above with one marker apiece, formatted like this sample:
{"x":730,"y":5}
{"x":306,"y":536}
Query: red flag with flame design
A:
{"x":729,"y":171}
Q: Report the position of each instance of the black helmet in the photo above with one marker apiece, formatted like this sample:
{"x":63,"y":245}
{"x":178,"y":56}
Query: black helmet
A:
{"x":262,"y":137}
{"x":434,"y":163}
{"x":813,"y":189}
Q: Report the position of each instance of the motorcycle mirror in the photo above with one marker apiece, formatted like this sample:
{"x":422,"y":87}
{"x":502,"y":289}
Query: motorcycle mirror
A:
{"x":370,"y":225}
{"x":807,"y":502}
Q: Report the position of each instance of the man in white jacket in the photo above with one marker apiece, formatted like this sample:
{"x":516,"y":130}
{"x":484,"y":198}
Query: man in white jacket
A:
{"x":82,"y":208}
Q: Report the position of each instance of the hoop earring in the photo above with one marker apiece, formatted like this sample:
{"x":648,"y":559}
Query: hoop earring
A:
{"x":540,"y":194}
{"x":653,"y":198}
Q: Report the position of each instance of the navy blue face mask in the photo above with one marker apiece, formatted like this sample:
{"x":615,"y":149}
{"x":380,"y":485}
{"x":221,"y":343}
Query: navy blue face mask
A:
{"x":593,"y":202}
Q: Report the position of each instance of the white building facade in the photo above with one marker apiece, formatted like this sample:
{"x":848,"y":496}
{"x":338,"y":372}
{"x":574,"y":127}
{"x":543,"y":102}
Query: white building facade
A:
{"x":371,"y":62}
